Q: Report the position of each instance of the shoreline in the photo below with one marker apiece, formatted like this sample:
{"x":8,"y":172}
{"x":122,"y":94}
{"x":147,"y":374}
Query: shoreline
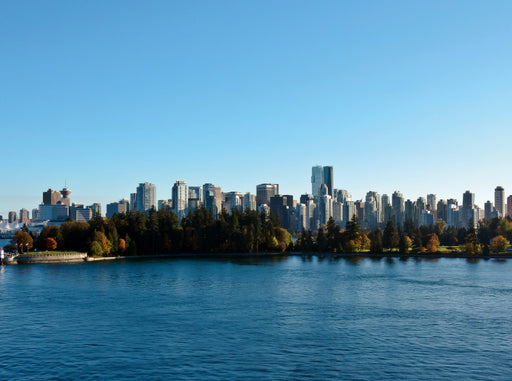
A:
{"x":82,"y":257}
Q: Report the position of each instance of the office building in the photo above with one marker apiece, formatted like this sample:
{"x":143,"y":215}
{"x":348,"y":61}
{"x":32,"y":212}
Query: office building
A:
{"x":328,"y":179}
{"x":119,"y":207}
{"x":24,"y":215}
{"x":499,"y":201}
{"x":145,"y":197}
{"x":264,"y":192}
{"x":180,"y":198}
{"x":12,"y":217}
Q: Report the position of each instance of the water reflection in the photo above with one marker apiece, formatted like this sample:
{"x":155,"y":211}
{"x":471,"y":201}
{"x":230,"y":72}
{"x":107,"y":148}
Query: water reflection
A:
{"x":472,"y":260}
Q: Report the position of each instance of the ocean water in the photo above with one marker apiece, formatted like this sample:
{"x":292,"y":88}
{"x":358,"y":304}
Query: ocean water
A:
{"x":257,"y":318}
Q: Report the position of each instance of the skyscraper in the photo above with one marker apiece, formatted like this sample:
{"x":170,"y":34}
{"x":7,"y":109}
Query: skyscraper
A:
{"x":499,"y":201}
{"x":180,"y":198}
{"x":24,"y":215}
{"x":266,"y":191}
{"x":397,"y":203}
{"x":509,"y":206}
{"x":145,"y":197}
{"x":317,"y":179}
{"x":328,"y":179}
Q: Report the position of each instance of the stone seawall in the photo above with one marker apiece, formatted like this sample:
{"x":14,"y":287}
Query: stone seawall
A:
{"x":48,"y":258}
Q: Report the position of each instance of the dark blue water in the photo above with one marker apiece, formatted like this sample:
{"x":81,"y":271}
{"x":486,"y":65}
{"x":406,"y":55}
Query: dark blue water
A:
{"x":290,"y":318}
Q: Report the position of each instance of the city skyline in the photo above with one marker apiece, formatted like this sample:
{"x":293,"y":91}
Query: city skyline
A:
{"x":404,"y":96}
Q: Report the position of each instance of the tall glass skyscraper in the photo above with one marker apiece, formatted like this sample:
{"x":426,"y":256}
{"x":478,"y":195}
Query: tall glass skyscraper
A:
{"x":145,"y":198}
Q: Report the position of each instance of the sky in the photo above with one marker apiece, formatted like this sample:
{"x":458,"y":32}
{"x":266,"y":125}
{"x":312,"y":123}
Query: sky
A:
{"x":396,"y":95}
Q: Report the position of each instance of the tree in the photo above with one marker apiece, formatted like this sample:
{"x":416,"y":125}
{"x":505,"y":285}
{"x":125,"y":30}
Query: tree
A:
{"x":51,"y":244}
{"x":122,"y":245}
{"x":472,"y":244}
{"x":390,"y":237}
{"x":404,"y":244}
{"x":105,"y":244}
{"x":95,"y":249}
{"x":23,"y":241}
{"x":432,"y":244}
{"x":376,"y":243}
{"x":498,"y":243}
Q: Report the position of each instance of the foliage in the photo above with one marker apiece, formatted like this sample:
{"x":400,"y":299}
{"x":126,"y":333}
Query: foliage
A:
{"x":499,"y":243}
{"x":51,"y":243}
{"x":23,"y":241}
{"x":390,"y":237}
{"x":432,"y":244}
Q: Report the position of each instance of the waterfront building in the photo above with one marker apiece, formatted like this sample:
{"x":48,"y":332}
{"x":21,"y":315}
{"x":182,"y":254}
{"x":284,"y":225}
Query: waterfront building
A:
{"x":266,"y":191}
{"x":499,"y":201}
{"x":180,"y":198}
{"x":24,"y":215}
{"x":12,"y":217}
{"x":122,"y":206}
{"x":249,"y":201}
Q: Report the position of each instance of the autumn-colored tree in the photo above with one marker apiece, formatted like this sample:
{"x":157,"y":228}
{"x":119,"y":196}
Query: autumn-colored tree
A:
{"x":432,"y":244}
{"x":405,"y":244}
{"x":364,"y":242}
{"x":51,"y":244}
{"x":23,"y":241}
{"x":122,"y":245}
{"x":105,"y":244}
{"x":498,"y":243}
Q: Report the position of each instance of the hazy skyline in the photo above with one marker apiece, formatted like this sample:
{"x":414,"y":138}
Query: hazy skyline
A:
{"x":402,"y":96}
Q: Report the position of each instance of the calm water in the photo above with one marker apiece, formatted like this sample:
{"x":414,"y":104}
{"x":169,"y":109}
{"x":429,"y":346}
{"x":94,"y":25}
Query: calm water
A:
{"x":288,"y":318}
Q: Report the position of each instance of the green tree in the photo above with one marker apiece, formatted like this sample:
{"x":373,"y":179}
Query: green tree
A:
{"x":390,"y":237}
{"x":404,"y":244}
{"x":376,"y":246}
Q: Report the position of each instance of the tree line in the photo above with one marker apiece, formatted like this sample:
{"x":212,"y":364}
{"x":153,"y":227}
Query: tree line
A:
{"x":161,"y":232}
{"x":490,"y":235}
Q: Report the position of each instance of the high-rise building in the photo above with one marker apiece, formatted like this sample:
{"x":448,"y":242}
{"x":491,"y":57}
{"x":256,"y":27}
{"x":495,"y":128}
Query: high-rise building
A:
{"x":82,"y":214}
{"x":317,"y":179}
{"x":51,"y":197}
{"x":118,"y":207}
{"x":249,"y":201}
{"x":342,"y":195}
{"x":372,"y":214}
{"x":65,"y":192}
{"x":488,"y":210}
{"x":24,"y":215}
{"x":432,"y":205}
{"x":12,"y":217}
{"x":509,"y":206}
{"x":264,"y":192}
{"x":328,"y":179}
{"x":397,"y":203}
{"x":442,"y":210}
{"x":145,"y":197}
{"x":96,"y":209}
{"x":386,"y":210}
{"x":180,"y":198}
{"x":35,"y":214}
{"x":499,"y":201}
{"x":233,"y":200}
{"x":133,"y":202}
{"x":195,"y":196}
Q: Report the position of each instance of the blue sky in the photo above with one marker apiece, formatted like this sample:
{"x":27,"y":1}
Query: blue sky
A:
{"x":404,"y":95}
